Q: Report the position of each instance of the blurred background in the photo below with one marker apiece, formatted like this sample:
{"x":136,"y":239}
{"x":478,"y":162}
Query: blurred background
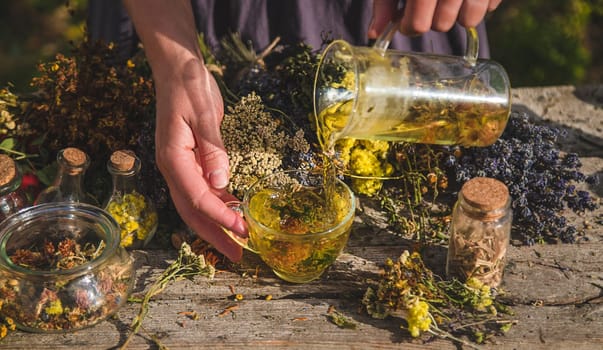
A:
{"x":539,"y":42}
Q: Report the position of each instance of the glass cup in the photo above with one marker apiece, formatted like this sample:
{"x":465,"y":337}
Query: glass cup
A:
{"x":374,"y":93}
{"x":298,"y":223}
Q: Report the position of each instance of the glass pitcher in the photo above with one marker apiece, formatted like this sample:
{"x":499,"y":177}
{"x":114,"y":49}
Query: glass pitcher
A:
{"x":373,"y":93}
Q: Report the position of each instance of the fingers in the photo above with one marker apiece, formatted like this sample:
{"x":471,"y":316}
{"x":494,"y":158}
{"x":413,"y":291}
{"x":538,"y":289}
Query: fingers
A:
{"x":383,"y":12}
{"x":208,"y":229}
{"x":472,"y":12}
{"x":201,"y":207}
{"x":417,"y":17}
{"x":445,"y":15}
{"x":206,"y":128}
{"x":493,"y":4}
{"x":420,"y":16}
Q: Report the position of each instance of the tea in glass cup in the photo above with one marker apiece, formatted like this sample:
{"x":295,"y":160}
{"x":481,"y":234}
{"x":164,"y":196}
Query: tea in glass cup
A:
{"x":298,"y":222}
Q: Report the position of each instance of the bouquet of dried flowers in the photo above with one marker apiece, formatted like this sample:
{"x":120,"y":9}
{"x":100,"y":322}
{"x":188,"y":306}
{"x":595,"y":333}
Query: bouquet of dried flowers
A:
{"x":428,"y":304}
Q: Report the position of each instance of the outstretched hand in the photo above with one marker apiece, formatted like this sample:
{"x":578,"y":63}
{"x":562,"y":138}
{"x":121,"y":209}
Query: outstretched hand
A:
{"x":420,"y":16}
{"x":189,"y":149}
{"x":192,"y":158}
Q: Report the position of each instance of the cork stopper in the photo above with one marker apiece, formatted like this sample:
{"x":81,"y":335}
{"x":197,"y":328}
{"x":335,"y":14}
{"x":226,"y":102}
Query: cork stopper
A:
{"x":74,"y":157}
{"x":485,"y":193}
{"x":123,"y":160}
{"x":8,"y":169}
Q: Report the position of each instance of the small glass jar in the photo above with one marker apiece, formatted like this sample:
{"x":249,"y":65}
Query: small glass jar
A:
{"x":62,"y":268}
{"x":480,"y":231}
{"x":68,"y":182}
{"x":134,"y":212}
{"x":12,"y":199}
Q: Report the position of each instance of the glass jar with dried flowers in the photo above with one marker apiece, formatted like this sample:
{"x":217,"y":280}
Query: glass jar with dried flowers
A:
{"x":134,"y":212}
{"x":62,"y":268}
{"x":480,"y":231}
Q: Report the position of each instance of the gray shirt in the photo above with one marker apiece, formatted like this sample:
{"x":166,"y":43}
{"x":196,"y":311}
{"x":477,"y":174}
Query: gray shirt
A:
{"x":261,"y":21}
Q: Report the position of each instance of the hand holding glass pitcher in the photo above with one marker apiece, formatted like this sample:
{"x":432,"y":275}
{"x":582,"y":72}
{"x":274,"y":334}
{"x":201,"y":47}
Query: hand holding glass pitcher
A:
{"x":379,"y":94}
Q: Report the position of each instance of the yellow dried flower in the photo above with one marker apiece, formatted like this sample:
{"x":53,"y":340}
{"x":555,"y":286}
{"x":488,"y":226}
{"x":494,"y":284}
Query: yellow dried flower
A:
{"x":483,"y":294}
{"x":131,"y":213}
{"x":55,"y":308}
{"x":10,"y":323}
{"x":418,"y":318}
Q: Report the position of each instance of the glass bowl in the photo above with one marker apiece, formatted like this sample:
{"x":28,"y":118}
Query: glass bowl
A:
{"x":62,"y":267}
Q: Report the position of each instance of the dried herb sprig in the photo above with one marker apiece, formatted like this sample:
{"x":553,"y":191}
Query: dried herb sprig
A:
{"x":427,"y":303}
{"x":187,"y":265}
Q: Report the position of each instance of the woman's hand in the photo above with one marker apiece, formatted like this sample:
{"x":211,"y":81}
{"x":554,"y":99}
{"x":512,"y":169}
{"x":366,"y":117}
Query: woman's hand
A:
{"x":420,"y":16}
{"x":189,"y":149}
{"x":191,"y":156}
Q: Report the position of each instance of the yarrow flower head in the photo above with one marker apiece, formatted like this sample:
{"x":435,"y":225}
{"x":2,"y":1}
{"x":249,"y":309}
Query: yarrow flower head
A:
{"x":257,"y":143}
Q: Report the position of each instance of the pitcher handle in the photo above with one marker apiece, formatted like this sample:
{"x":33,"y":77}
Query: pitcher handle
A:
{"x":471,"y":51}
{"x":383,"y":41}
{"x":243,"y":242}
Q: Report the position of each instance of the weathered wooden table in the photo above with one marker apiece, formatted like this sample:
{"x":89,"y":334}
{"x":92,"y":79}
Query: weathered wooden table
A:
{"x":556,"y":291}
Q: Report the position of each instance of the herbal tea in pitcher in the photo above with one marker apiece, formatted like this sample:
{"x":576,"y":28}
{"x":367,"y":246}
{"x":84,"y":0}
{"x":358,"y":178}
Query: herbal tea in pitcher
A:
{"x":376,"y":94}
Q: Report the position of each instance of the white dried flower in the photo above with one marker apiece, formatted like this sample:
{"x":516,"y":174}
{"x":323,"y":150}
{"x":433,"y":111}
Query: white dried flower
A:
{"x":256,"y":142}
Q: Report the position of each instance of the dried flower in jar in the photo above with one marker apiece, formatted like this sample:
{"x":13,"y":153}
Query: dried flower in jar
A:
{"x":480,"y":232}
{"x":61,"y":268}
{"x":134,"y":212}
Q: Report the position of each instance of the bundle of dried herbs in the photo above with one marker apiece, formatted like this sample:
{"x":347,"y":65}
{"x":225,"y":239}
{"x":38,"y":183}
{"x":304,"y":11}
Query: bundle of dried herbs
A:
{"x":408,"y":289}
{"x":92,"y":100}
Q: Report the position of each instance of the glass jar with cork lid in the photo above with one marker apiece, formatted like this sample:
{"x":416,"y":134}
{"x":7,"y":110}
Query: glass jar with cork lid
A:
{"x":134,"y":212}
{"x":12,"y":199}
{"x":68,"y":184}
{"x":480,"y":231}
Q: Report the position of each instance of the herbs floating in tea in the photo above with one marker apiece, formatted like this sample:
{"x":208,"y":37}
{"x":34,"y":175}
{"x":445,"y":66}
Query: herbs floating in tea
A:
{"x":297,"y":230}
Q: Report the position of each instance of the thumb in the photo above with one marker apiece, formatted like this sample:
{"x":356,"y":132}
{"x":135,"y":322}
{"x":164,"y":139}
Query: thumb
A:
{"x":383,"y":12}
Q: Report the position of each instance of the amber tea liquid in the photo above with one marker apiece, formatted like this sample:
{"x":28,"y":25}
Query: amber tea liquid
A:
{"x":298,"y":230}
{"x":462,"y":124}
{"x":374,"y":94}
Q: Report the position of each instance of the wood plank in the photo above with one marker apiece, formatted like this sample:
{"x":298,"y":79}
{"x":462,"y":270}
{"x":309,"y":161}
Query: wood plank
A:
{"x":547,"y":311}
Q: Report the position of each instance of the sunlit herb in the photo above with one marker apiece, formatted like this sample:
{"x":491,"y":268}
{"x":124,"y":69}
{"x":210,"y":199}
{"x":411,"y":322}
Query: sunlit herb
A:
{"x":187,"y":265}
{"x":429,"y":304}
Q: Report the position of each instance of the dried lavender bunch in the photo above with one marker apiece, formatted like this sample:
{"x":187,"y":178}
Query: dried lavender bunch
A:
{"x":541,"y":179}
